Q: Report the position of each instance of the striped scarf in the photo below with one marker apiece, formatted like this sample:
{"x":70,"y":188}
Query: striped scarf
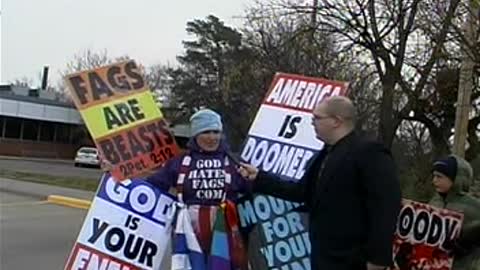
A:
{"x":187,"y":254}
{"x":217,"y":240}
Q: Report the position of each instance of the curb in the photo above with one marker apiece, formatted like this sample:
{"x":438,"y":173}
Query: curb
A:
{"x":69,"y":201}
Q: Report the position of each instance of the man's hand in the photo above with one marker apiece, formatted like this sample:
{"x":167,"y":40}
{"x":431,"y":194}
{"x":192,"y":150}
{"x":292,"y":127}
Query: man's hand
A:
{"x":248,"y":171}
{"x":371,"y":266}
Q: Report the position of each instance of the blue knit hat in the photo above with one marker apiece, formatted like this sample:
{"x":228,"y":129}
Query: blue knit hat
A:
{"x":205,"y":120}
{"x":447,"y":166}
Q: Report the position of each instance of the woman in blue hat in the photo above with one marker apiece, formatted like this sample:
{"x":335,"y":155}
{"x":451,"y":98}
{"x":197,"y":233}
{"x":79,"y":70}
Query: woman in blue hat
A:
{"x":205,"y":177}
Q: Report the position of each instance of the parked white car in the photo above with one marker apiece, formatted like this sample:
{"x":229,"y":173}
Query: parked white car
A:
{"x":87,"y":156}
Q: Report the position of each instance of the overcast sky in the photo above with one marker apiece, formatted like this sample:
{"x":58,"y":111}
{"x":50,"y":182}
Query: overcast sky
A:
{"x":35,"y":33}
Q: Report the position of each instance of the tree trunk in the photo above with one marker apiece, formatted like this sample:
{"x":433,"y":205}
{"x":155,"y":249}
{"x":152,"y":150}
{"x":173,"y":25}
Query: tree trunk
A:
{"x":387,"y":126}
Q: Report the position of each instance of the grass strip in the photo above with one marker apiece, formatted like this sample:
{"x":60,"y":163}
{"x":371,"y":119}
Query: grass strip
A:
{"x":88,"y":184}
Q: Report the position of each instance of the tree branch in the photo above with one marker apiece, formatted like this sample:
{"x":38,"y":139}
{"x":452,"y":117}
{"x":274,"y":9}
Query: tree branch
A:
{"x":438,"y":46}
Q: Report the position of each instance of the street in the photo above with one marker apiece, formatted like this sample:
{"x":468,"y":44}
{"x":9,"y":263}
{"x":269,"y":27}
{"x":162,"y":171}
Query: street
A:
{"x":35,"y":234}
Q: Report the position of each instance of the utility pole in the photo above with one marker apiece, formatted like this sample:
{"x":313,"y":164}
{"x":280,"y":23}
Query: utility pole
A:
{"x":466,"y":81}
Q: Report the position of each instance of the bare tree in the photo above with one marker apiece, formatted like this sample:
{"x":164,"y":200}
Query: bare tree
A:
{"x":286,"y":40}
{"x":409,"y":43}
{"x":84,"y":60}
{"x":22,"y":82}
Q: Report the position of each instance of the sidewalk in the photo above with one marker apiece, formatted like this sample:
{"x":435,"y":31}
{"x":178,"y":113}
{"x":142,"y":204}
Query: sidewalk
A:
{"x":42,"y":191}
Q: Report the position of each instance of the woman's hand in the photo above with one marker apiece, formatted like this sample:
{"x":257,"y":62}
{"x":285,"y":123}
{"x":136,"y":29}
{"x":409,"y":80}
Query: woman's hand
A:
{"x":106,"y":165}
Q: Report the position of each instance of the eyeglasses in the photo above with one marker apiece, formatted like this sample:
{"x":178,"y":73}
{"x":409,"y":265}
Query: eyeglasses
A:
{"x":320,"y":117}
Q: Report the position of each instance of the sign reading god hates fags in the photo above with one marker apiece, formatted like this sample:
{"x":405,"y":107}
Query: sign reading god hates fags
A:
{"x":281,"y":141}
{"x":123,"y":118}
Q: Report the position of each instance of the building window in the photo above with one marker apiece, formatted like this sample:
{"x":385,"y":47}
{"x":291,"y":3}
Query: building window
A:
{"x":13,"y":127}
{"x":63,"y":133}
{"x":2,"y":121}
{"x":30,"y":129}
{"x":47,"y":131}
{"x":79,"y":134}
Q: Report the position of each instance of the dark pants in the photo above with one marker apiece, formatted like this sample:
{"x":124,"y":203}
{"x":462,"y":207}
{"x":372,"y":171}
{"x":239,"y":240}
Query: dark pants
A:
{"x":353,"y":259}
{"x":324,"y":263}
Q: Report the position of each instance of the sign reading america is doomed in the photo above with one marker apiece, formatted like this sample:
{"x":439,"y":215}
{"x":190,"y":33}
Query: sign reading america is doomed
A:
{"x":281,"y":141}
{"x":425,"y":236}
{"x":128,"y":227}
{"x":123,"y":118}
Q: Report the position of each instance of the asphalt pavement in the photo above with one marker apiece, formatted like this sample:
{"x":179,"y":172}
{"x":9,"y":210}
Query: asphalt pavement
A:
{"x":35,"y":234}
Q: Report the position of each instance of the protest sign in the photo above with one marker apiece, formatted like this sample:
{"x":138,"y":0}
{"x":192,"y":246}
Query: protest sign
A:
{"x":121,"y":115}
{"x":128,"y":227}
{"x":281,"y":141}
{"x":425,"y":236}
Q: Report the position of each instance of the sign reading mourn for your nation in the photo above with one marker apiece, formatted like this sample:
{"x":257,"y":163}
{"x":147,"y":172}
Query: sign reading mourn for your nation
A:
{"x":281,"y":140}
{"x":121,"y":115}
{"x":128,"y":227}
